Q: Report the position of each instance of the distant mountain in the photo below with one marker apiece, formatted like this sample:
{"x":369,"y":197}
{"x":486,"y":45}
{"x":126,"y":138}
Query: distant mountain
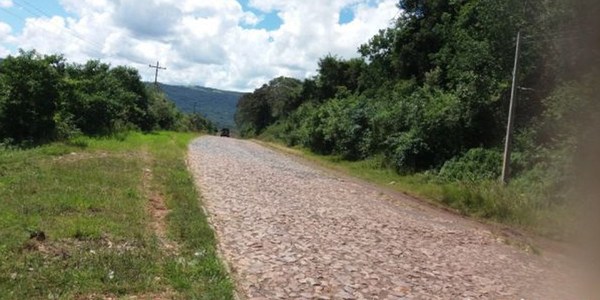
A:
{"x":216,"y":105}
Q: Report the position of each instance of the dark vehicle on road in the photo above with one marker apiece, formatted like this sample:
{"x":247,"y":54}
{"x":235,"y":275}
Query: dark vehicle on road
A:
{"x":225,"y":132}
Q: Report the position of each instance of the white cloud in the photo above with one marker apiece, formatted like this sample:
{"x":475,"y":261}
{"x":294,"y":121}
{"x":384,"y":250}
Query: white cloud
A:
{"x":86,"y":7}
{"x":6,"y":3}
{"x":152,"y":20}
{"x":5,"y":31}
{"x":208,"y":43}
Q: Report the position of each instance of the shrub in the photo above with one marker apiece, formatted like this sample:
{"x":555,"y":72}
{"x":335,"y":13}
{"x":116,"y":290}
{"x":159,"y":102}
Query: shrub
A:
{"x":475,"y":165}
{"x":405,"y":151}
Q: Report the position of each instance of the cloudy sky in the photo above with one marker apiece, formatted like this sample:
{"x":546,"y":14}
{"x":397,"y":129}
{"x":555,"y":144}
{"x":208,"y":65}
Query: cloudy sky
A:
{"x":226,"y":44}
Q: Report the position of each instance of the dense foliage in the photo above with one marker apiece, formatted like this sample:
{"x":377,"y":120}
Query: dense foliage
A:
{"x":432,"y":92}
{"x":44,"y":98}
{"x":271,"y":102}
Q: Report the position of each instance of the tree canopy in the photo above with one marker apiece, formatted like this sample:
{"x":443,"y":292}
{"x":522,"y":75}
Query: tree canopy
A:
{"x":435,"y":87}
{"x":44,"y":98}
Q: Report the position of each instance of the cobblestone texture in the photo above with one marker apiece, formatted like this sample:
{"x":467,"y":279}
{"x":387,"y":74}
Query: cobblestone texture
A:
{"x":292,"y":231}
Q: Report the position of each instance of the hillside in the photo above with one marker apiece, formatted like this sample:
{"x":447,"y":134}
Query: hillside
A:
{"x":216,"y":105}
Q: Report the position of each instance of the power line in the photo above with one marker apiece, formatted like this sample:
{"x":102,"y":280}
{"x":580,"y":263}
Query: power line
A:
{"x":565,"y":32}
{"x":44,"y":14}
{"x":561,"y":35}
{"x":13,"y":14}
{"x":36,"y":12}
{"x":556,"y":39}
{"x":30,"y":10}
{"x":35,"y":8}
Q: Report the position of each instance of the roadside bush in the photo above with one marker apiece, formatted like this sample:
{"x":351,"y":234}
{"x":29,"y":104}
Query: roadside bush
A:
{"x":406,"y":151}
{"x":296,"y":128}
{"x":475,"y":165}
{"x":162,"y":113}
{"x":274,"y":133}
{"x":346,"y":127}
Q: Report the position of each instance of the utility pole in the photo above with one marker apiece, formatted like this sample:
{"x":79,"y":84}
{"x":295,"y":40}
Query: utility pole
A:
{"x":157,"y":67}
{"x":511,"y":116}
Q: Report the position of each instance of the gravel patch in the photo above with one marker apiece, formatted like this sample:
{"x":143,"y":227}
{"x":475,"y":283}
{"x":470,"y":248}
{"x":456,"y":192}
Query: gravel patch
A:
{"x":291,"y":231}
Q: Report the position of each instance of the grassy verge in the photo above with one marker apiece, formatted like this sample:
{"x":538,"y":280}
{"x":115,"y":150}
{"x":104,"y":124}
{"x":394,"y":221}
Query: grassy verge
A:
{"x":75,"y":222}
{"x":486,"y":200}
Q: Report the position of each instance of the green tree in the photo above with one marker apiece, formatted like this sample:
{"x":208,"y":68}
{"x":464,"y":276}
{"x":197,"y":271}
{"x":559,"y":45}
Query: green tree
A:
{"x":31,"y":89}
{"x":162,"y":113}
{"x":136,"y":95}
{"x":337,"y":75}
{"x":267,"y":104}
{"x":94,"y":98}
{"x":253,"y":113}
{"x":42,"y":98}
{"x":99,"y":98}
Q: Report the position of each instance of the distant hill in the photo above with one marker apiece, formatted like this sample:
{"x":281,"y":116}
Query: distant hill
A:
{"x":216,"y":105}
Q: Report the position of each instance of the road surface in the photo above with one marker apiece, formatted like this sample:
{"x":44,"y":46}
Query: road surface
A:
{"x":289,"y":230}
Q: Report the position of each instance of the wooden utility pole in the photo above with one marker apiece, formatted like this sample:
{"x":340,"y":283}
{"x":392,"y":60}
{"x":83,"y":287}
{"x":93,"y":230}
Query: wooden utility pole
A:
{"x":157,"y":67}
{"x":511,"y":116}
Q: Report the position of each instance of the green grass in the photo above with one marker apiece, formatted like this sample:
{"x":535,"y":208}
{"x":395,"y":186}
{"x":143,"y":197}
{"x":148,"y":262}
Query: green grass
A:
{"x":86,"y":196}
{"x":485,"y":200}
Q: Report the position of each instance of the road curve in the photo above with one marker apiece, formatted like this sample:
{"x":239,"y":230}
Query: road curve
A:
{"x":291,"y":231}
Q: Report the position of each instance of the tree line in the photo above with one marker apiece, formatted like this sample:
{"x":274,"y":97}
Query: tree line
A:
{"x":44,"y":98}
{"x":430,"y":94}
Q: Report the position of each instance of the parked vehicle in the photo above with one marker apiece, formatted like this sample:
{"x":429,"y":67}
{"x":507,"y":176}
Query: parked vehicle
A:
{"x":225,"y":132}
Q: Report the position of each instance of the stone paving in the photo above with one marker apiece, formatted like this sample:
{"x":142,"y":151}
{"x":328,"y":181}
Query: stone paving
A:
{"x":289,"y":230}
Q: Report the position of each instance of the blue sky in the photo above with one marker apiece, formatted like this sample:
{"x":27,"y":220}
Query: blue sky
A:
{"x":23,"y":9}
{"x":20,"y":10}
{"x":228,"y":44}
{"x":270,"y":20}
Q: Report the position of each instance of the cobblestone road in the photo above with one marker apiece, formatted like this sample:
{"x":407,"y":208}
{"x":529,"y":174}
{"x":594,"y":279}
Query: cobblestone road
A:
{"x":292,"y":231}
